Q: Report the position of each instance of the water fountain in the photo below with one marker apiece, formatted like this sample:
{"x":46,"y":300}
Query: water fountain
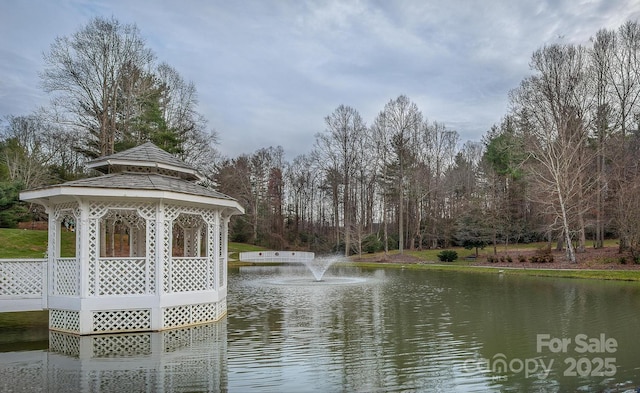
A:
{"x":318,"y":266}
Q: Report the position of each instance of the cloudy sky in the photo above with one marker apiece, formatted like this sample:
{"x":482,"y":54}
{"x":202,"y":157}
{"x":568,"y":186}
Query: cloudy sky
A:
{"x":268,"y":71}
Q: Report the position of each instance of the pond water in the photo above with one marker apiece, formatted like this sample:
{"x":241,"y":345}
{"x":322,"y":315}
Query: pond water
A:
{"x":365,"y":330}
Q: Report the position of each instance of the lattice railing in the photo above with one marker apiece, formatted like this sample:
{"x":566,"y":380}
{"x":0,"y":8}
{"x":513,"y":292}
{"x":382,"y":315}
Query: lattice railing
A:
{"x":189,"y":274}
{"x":133,"y":212}
{"x":21,"y":278}
{"x":66,"y":277}
{"x":123,"y":276}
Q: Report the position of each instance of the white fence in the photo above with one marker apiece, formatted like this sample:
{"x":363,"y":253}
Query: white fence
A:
{"x":276,"y":256}
{"x":22,"y":284}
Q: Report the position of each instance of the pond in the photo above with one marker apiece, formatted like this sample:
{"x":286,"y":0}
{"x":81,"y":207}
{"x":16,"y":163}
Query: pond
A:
{"x":365,"y":330}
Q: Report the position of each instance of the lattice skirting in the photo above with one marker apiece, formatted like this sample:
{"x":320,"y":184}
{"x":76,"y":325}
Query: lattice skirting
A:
{"x":102,"y":321}
{"x":64,"y":320}
{"x":121,"y":321}
{"x":193,"y":314}
{"x":138,"y":320}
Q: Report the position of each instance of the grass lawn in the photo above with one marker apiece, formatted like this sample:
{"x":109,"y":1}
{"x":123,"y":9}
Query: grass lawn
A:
{"x":236,"y":248}
{"x":24,"y":243}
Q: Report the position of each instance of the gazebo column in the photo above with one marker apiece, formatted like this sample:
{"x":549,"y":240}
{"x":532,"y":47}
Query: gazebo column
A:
{"x":224,"y":253}
{"x":159,"y":256}
{"x":214,"y":254}
{"x":89,"y":254}
{"x":52,"y":245}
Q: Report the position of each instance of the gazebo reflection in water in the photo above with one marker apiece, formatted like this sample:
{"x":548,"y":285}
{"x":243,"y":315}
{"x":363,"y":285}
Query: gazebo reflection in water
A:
{"x":175,"y":360}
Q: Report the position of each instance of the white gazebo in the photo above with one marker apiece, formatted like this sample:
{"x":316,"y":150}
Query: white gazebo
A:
{"x":150,"y":246}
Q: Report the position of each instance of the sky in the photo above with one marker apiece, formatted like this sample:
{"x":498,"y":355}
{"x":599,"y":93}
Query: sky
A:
{"x":268,"y":72}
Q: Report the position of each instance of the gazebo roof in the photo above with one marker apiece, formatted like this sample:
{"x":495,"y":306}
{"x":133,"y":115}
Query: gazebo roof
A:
{"x":145,"y":158}
{"x":144,"y":181}
{"x":145,"y":171}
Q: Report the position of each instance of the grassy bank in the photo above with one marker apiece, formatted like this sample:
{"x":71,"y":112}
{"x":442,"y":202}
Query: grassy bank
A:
{"x":622,"y":275}
{"x":236,"y":248}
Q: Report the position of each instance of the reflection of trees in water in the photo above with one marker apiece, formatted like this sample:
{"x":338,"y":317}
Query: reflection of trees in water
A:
{"x":507,"y":314}
{"x":412,"y":329}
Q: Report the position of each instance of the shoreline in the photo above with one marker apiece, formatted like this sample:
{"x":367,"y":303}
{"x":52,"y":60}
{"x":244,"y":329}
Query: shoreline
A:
{"x":568,"y":272}
{"x":580,"y":273}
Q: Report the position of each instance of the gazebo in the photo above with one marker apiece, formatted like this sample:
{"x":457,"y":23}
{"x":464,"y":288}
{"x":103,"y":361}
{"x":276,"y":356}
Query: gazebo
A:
{"x":150,"y":246}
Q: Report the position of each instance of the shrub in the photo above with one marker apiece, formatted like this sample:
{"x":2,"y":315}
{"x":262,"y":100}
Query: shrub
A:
{"x":447,"y":255}
{"x":542,"y":255}
{"x":509,"y":259}
{"x":492,"y":259}
{"x":522,"y":258}
{"x":372,"y":244}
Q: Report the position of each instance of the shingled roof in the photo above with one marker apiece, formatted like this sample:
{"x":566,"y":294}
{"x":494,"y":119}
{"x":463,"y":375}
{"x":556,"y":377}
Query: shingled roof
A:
{"x":145,"y":167}
{"x":144,"y":181}
{"x":145,"y":158}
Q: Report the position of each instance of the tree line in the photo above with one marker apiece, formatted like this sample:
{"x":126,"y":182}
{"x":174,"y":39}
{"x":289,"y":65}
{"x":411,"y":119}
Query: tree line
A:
{"x":561,"y":166}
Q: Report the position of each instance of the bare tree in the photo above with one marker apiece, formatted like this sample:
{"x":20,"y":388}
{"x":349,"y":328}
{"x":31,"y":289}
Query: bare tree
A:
{"x":624,"y":73}
{"x":85,"y":71}
{"x":379,"y":137}
{"x":553,"y":106}
{"x":620,"y":53}
{"x":438,"y":149}
{"x":301,"y":182}
{"x":337,"y":152}
{"x":179,"y":110}
{"x":24,"y":150}
{"x":600,"y":69}
{"x":402,"y":125}
{"x":627,"y":203}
